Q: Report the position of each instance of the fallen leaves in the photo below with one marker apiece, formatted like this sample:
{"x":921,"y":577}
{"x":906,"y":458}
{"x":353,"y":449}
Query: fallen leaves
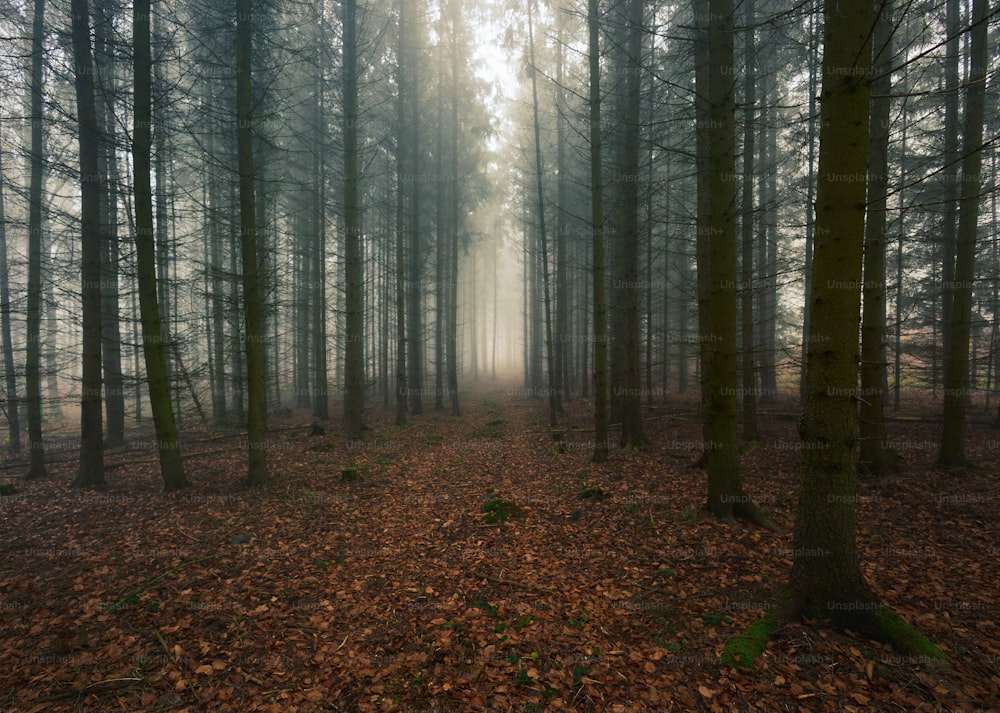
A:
{"x":391,"y":594}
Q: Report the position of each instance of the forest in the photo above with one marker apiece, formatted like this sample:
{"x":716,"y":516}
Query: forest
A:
{"x":431,"y":355}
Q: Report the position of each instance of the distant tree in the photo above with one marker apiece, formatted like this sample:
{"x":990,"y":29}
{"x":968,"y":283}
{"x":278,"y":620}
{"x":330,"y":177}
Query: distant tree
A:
{"x":91,"y":471}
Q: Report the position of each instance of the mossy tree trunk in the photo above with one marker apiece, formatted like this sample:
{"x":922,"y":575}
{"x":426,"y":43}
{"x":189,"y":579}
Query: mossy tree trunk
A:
{"x":826,"y":581}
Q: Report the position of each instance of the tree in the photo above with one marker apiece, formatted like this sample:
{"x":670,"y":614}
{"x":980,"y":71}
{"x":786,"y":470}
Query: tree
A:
{"x":826,"y":581}
{"x":717,"y":303}
{"x":542,"y":237}
{"x":630,"y":401}
{"x":749,"y":380}
{"x":91,"y":471}
{"x":956,"y":358}
{"x":10,"y":377}
{"x":167,"y":443}
{"x":354,"y":268}
{"x":402,"y":88}
{"x":876,"y":458}
{"x":32,"y":367}
{"x":252,"y":294}
{"x":597,"y":239}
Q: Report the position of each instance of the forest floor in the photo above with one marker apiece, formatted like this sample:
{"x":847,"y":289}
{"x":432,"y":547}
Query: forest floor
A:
{"x":605,"y":589}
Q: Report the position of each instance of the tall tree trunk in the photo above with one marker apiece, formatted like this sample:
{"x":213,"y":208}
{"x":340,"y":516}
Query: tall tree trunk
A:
{"x":810,"y":208}
{"x":320,"y":387}
{"x":440,"y":253}
{"x":402,"y":89}
{"x":956,"y":359}
{"x":561,"y":370}
{"x":33,"y":351}
{"x":10,"y":377}
{"x":717,"y":305}
{"x":876,"y":458}
{"x":630,"y":401}
{"x":543,"y":240}
{"x":414,"y":257}
{"x":950,"y":171}
{"x":91,"y":472}
{"x":168,"y":446}
{"x":597,"y":238}
{"x":104,"y":64}
{"x":826,"y":581}
{"x":252,"y":293}
{"x":456,"y":222}
{"x":749,"y":381}
{"x":353,"y":356}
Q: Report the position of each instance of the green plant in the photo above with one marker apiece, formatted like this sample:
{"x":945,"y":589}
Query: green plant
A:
{"x":500,"y":510}
{"x":715,"y":619}
{"x":522,"y":678}
{"x":455,"y":625}
{"x":523,"y":620}
{"x":579,"y":671}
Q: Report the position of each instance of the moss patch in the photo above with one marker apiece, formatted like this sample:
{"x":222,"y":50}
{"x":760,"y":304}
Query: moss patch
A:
{"x":743,"y":649}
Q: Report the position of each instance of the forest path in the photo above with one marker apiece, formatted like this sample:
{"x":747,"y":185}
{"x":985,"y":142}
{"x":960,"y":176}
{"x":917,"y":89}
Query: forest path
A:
{"x":605,"y":588}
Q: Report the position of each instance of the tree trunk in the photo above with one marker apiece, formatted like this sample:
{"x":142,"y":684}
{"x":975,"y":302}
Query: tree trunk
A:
{"x":717,"y":305}
{"x":33,"y":351}
{"x":10,"y":377}
{"x":456,"y":223}
{"x":826,"y":581}
{"x":353,"y":358}
{"x":597,"y":232}
{"x":876,"y":458}
{"x":114,"y":392}
{"x":956,"y":358}
{"x":542,"y":236}
{"x":91,"y":472}
{"x":630,"y":401}
{"x":252,"y":294}
{"x":402,"y":77}
{"x":168,"y":446}
{"x":749,"y":381}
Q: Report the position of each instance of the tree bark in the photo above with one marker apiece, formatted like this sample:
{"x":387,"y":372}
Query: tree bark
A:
{"x":252,"y":293}
{"x":91,"y":471}
{"x":353,"y":358}
{"x":543,"y":239}
{"x":630,"y":401}
{"x":748,"y":383}
{"x":826,"y":581}
{"x":10,"y":377}
{"x":167,"y":443}
{"x":876,"y":457}
{"x":33,"y":350}
{"x":597,"y":239}
{"x":956,"y":359}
